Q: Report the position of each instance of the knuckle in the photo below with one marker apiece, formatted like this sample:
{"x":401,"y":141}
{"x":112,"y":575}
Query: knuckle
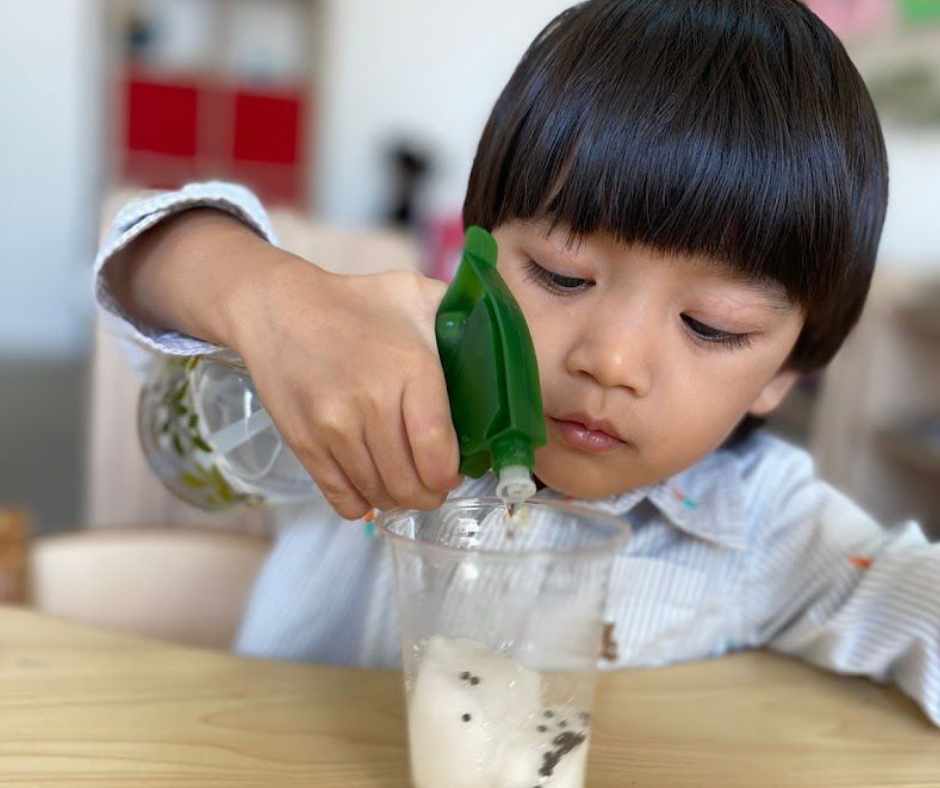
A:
{"x":435,"y":434}
{"x":376,"y":407}
{"x":332,"y":419}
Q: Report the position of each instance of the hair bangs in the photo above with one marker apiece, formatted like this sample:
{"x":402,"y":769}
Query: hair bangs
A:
{"x":700,"y":176}
{"x":737,"y":130}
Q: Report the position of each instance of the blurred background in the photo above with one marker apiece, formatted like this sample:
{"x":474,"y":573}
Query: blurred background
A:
{"x":356,"y":122}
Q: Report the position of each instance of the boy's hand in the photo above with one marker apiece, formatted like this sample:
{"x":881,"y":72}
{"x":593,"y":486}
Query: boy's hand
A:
{"x":348,"y":368}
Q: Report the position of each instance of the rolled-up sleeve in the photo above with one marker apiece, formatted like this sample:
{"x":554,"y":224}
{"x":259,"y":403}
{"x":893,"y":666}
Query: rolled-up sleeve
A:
{"x":831,"y":585}
{"x":140,"y":215}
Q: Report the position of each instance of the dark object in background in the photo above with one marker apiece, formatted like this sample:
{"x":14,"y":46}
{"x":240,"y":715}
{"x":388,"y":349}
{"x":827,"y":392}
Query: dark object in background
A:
{"x":409,"y":166}
{"x":139,"y":36}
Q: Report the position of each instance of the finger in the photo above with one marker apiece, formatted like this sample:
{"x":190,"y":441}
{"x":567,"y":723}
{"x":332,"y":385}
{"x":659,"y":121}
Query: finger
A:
{"x":336,"y":486}
{"x":430,"y":431}
{"x":353,"y":456}
{"x":391,"y":452}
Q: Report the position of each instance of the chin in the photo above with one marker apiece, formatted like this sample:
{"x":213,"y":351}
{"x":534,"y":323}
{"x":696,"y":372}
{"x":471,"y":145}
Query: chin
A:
{"x":580,"y":477}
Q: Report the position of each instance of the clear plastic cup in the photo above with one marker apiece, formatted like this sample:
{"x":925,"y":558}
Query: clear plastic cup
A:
{"x":501,"y":634}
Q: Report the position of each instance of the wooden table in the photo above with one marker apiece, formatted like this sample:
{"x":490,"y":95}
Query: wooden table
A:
{"x":80,"y":707}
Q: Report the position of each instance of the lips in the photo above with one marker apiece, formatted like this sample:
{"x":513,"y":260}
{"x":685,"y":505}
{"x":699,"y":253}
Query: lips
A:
{"x":584,"y":433}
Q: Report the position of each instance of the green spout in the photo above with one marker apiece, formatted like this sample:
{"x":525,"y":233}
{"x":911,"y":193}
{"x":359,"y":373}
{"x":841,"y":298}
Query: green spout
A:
{"x":491,"y":370}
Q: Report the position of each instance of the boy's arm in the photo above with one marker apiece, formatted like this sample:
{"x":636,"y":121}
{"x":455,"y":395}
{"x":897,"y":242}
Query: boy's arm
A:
{"x":832,"y":586}
{"x":141,"y":215}
{"x":347,"y":366}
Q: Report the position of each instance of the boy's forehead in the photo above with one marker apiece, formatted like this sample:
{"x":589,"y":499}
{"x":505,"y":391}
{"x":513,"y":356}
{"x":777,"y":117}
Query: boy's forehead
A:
{"x":604,"y":245}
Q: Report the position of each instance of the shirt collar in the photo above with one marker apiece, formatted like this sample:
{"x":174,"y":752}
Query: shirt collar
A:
{"x":705,"y":501}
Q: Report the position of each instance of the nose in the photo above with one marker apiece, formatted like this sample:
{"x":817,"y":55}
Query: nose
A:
{"x":617,"y":349}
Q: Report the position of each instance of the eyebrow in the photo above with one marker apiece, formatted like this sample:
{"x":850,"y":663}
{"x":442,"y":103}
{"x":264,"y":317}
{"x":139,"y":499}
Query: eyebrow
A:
{"x":772,"y":293}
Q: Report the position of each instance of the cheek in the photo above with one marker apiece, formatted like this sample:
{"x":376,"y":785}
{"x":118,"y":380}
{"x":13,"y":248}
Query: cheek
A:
{"x":548,"y":338}
{"x":703,"y":409}
{"x":696,"y":409}
{"x":732,"y":379}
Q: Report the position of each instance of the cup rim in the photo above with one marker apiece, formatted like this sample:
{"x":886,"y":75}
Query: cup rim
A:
{"x":606,"y":547}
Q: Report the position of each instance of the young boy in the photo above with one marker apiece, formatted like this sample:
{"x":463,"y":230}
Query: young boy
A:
{"x":688,"y":197}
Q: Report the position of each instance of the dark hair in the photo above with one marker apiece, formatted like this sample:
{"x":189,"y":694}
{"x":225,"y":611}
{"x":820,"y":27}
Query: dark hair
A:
{"x":737,"y":129}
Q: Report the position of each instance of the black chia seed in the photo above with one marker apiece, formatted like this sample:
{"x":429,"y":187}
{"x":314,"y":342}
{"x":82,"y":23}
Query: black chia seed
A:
{"x":564,"y":743}
{"x":465,"y":675}
{"x":474,"y":680}
{"x":466,"y":718}
{"x":541,"y":729}
{"x":548,"y":714}
{"x":563,"y":724}
{"x":567,"y":741}
{"x":549,"y":762}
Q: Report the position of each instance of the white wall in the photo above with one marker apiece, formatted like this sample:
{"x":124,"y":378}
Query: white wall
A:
{"x":49,"y":174}
{"x":433,"y":69}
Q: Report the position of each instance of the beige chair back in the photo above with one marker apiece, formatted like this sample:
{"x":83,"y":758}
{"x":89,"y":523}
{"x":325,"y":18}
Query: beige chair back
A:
{"x":186,"y":585}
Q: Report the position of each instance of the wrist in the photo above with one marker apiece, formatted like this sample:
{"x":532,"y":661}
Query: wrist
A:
{"x":261,"y":294}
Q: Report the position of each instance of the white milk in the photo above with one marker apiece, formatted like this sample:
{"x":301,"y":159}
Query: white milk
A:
{"x":477,"y":720}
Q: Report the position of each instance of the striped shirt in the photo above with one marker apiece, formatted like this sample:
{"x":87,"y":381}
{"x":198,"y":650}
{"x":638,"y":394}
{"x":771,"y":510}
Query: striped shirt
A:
{"x":746,"y":549}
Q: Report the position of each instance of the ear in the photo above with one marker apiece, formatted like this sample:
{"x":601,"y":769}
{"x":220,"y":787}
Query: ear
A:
{"x":774,"y":393}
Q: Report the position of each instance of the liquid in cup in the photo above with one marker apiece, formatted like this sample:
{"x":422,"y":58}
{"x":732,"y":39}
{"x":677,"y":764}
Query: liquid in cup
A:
{"x":502,"y":622}
{"x":478,"y":718}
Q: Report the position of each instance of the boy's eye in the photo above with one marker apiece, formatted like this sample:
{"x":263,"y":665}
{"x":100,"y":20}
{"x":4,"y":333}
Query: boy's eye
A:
{"x":557,"y":283}
{"x":714,"y":336}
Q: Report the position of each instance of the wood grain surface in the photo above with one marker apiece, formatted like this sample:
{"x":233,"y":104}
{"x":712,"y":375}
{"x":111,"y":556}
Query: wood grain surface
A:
{"x":81,"y":707}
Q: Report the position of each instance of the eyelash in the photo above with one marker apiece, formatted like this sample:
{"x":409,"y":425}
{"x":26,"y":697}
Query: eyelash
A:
{"x":701,"y":333}
{"x":556,"y":283}
{"x":714,"y":337}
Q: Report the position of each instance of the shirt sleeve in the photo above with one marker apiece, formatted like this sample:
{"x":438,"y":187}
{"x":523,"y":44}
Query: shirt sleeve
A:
{"x":142,"y":214}
{"x":832,"y":586}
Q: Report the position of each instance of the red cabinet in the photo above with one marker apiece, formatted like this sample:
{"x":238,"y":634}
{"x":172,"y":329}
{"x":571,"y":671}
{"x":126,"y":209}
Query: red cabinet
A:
{"x":179,"y":128}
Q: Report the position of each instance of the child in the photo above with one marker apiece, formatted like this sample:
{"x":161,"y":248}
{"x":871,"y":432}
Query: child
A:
{"x":688,"y":197}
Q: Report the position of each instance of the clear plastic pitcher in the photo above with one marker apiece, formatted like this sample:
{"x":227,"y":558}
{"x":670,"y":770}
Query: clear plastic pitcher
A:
{"x":502,"y":628}
{"x":209,"y":440}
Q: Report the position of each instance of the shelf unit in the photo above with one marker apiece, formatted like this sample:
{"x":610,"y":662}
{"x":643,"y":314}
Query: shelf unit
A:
{"x":206,"y":90}
{"x":876,"y":425}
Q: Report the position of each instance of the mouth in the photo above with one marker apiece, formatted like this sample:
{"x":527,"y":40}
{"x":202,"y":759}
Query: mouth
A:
{"x":583,"y":433}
